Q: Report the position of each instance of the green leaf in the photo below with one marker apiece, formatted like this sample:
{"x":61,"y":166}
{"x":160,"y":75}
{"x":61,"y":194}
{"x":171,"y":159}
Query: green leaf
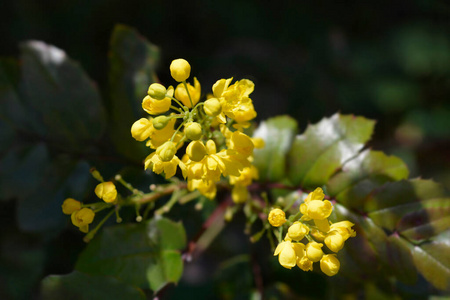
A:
{"x":58,"y":93}
{"x":144,"y":255}
{"x":397,"y":200}
{"x":81,"y":286}
{"x":361,"y":175}
{"x":132,"y":63}
{"x":433,"y":261}
{"x":61,"y":179}
{"x":324,"y":147}
{"x":277,"y":134}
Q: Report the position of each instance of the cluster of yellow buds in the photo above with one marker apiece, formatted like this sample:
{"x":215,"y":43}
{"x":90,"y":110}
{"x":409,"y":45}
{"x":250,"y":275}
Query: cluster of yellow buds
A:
{"x":214,"y":130}
{"x":83,"y":215}
{"x":315,"y":227}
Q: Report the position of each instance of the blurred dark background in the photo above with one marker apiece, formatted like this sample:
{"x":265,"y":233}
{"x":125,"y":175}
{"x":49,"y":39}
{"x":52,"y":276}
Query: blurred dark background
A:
{"x":386,"y":60}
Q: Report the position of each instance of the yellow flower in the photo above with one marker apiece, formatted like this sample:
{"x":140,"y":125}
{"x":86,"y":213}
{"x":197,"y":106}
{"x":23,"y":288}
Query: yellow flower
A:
{"x":194,"y":91}
{"x":159,"y":137}
{"x":258,"y":142}
{"x":212,"y":107}
{"x":317,"y":234}
{"x":286,"y":254}
{"x":180,"y":69}
{"x":316,"y":195}
{"x":166,"y":151}
{"x":241,"y":143}
{"x":106,"y":191}
{"x":334,"y":241}
{"x":329,"y":264}
{"x":246,"y":177}
{"x":316,"y":209}
{"x":70,"y":205}
{"x":344,"y":228}
{"x":206,"y":188}
{"x":82,"y":218}
{"x":196,"y":150}
{"x":305,"y":264}
{"x":297,"y":231}
{"x":155,"y":107}
{"x":141,"y":129}
{"x":239,"y":194}
{"x":314,"y":251}
{"x":158,"y":166}
{"x":323,"y":224}
{"x":277,"y":217}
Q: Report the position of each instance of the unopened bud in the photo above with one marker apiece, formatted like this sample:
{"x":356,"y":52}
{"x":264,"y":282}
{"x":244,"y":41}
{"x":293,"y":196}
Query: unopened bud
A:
{"x":157,"y":91}
{"x":106,"y":191}
{"x":160,"y":122}
{"x":166,"y":151}
{"x":212,"y":107}
{"x":193,"y":131}
{"x":196,"y":150}
{"x":180,"y":69}
{"x":70,"y":206}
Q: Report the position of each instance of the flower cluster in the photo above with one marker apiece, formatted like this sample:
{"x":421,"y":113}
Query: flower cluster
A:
{"x":217,"y":146}
{"x":315,"y":227}
{"x":83,"y":215}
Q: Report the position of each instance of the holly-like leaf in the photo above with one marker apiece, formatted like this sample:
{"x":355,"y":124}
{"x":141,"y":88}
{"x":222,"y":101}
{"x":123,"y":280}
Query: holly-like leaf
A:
{"x":132,"y":61}
{"x":433,"y":261}
{"x":361,"y":175}
{"x":277,"y":134}
{"x":146,"y":255}
{"x":323,"y":148}
{"x":57,"y":92}
{"x":81,"y":286}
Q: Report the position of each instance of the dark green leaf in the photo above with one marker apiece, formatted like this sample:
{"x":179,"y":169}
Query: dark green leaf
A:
{"x":61,"y":179}
{"x":145,"y":255}
{"x":132,"y":63}
{"x":277,"y":134}
{"x":60,"y":95}
{"x":324,"y":147}
{"x":81,"y":286}
{"x":361,"y":175}
{"x":433,"y":261}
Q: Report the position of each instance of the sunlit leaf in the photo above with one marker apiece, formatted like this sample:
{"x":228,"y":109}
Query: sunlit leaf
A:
{"x":146,"y":255}
{"x":277,"y":134}
{"x":78,"y":285}
{"x":324,"y":147}
{"x":361,"y":175}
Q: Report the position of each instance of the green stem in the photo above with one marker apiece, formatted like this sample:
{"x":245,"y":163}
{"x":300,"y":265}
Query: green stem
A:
{"x":187,"y":91}
{"x":92,"y":233}
{"x":179,"y":103}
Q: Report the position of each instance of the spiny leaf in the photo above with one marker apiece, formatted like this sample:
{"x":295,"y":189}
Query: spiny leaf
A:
{"x":324,"y":147}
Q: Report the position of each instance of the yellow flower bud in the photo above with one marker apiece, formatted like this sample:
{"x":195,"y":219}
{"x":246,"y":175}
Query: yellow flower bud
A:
{"x":212,"y":107}
{"x":297,"y":231}
{"x":160,"y":122}
{"x":141,"y":129}
{"x":180,"y":69}
{"x":157,"y":91}
{"x":334,"y":241}
{"x":70,"y":205}
{"x":193,"y":131}
{"x":196,"y":150}
{"x":317,"y":234}
{"x":318,"y":209}
{"x":166,"y":151}
{"x":329,"y":264}
{"x":277,"y":217}
{"x":211,"y":147}
{"x":242,"y":143}
{"x":286,"y":254}
{"x":82,"y":218}
{"x":316,"y":195}
{"x":106,"y":191}
{"x":314,"y":251}
{"x":239,"y":194}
